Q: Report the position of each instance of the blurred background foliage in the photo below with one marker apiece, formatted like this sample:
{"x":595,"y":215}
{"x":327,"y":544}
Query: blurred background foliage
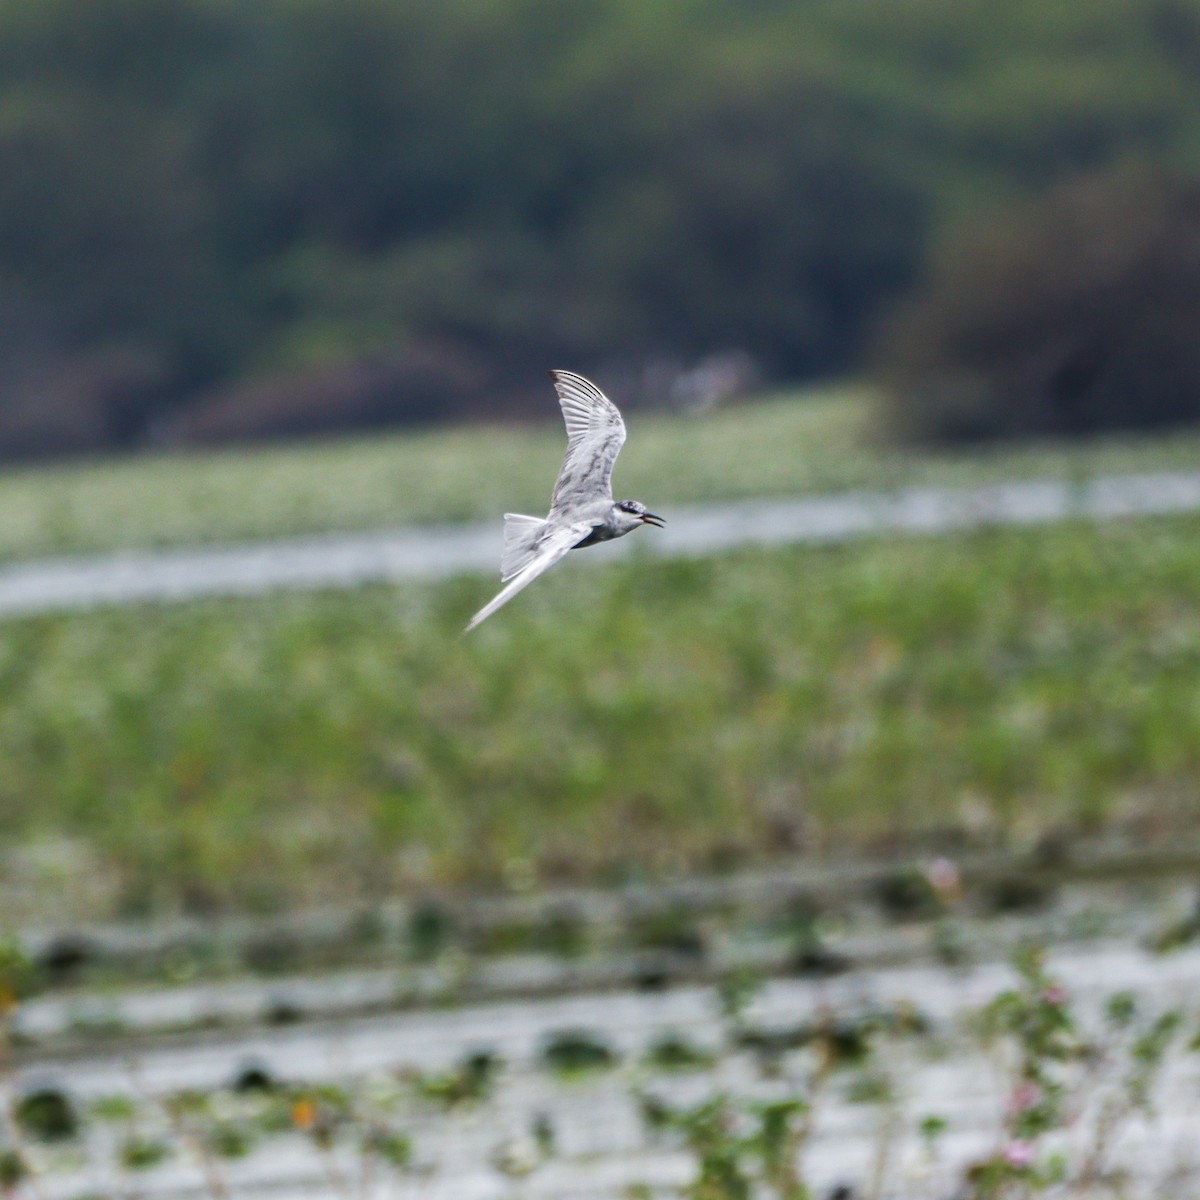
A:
{"x":997,"y":691}
{"x":1076,"y":312}
{"x":221,"y":220}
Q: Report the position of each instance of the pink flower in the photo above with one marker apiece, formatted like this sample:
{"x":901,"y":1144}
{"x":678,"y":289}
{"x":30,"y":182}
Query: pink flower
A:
{"x":1054,"y":995}
{"x":1025,"y":1095}
{"x":1018,"y":1154}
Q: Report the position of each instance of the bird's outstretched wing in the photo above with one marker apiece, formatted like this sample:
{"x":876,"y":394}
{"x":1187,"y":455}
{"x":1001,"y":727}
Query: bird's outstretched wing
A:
{"x":595,"y":435}
{"x":553,"y":545}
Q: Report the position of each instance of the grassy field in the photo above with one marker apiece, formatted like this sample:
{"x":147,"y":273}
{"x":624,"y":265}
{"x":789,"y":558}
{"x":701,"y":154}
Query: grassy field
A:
{"x":817,"y":442}
{"x":262,"y":753}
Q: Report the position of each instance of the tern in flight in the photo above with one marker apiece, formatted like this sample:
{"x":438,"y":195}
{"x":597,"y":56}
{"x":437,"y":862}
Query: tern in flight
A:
{"x":582,"y":509}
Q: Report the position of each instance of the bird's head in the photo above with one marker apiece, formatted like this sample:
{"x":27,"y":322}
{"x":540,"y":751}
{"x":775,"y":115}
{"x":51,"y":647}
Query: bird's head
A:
{"x":632,"y":513}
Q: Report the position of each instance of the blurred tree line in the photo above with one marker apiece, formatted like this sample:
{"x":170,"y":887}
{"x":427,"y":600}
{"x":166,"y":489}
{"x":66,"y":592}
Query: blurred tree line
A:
{"x":1074,"y":313}
{"x":221,"y":218}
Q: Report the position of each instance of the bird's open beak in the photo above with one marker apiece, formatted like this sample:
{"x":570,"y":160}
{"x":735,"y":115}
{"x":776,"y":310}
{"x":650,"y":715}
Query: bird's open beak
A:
{"x":651,"y":519}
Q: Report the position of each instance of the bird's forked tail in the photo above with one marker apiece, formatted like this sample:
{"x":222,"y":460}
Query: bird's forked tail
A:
{"x":521,"y":539}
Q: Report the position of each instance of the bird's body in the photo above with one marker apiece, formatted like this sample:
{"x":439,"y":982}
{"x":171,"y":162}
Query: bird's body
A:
{"x":582,"y":509}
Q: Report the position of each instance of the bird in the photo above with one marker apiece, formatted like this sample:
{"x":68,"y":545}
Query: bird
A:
{"x":582,"y":509}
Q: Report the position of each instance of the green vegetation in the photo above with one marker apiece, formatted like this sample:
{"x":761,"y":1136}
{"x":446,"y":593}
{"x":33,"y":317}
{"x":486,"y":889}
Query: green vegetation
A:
{"x":1039,"y":1064}
{"x":46,"y":1115}
{"x":18,"y":975}
{"x":1063,"y":317}
{"x":574,"y":1052}
{"x":817,"y":442}
{"x":213,"y":1128}
{"x":271,"y":752}
{"x":441,"y":476}
{"x":139,"y":1154}
{"x":194,"y":192}
{"x":1052,"y":1077}
{"x":469,"y":1082}
{"x":674,"y":1052}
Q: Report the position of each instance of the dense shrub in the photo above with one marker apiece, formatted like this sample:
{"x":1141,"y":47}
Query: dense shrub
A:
{"x":1075,"y":314}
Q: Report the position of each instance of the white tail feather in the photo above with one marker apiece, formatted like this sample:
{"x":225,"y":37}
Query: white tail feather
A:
{"x":550,"y":549}
{"x":520,"y":543}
